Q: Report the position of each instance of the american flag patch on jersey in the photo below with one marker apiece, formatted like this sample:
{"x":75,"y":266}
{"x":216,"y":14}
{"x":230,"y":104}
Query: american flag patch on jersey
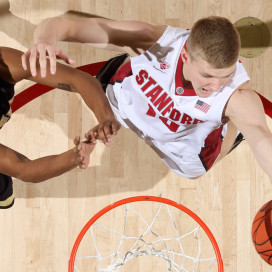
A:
{"x":202,"y":106}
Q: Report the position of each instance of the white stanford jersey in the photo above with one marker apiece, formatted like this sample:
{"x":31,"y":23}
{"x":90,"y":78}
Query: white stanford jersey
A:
{"x":148,"y":96}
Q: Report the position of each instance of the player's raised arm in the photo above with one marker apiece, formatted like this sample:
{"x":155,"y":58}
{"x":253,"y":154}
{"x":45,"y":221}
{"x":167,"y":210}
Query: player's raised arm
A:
{"x":250,"y":120}
{"x":73,"y":80}
{"x":132,"y":37}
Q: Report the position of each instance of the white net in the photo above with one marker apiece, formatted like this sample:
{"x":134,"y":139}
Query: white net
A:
{"x":129,"y":237}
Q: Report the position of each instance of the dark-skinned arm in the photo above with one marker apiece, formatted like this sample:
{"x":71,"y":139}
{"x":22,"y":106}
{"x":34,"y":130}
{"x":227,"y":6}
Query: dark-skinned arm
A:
{"x":17,"y":165}
{"x":69,"y":79}
{"x":13,"y":163}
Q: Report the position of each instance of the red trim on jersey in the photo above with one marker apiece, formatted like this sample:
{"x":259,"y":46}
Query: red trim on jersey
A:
{"x":179,"y":83}
{"x":212,"y":148}
{"x":123,"y":72}
{"x":266,"y":104}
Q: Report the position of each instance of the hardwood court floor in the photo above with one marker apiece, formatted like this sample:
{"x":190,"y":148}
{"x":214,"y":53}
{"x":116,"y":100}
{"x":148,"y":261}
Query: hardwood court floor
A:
{"x":38,"y":233}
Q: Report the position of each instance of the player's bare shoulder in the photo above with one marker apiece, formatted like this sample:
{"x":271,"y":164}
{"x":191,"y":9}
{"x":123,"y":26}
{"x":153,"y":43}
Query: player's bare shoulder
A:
{"x":244,"y":104}
{"x":140,"y":36}
{"x":158,"y":30}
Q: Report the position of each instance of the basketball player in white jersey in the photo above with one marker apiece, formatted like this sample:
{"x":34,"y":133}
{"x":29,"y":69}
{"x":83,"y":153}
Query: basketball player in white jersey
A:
{"x":14,"y":164}
{"x":184,"y":92}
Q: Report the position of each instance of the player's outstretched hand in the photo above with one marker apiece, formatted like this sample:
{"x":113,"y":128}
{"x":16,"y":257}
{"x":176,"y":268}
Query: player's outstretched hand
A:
{"x":103,"y":131}
{"x":39,"y":52}
{"x":83,"y":151}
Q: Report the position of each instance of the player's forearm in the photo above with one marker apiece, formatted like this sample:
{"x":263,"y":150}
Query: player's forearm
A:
{"x":57,"y":29}
{"x":93,"y":95}
{"x":48,"y":167}
{"x":263,"y":151}
{"x":51,"y":30}
{"x":99,"y":33}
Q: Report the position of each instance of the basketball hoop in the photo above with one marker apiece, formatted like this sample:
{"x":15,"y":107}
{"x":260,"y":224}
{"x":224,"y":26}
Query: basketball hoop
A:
{"x":164,"y":229}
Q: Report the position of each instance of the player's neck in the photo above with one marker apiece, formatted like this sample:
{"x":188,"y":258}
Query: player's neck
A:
{"x":186,"y":83}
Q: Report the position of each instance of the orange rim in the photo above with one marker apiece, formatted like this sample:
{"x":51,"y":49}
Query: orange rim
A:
{"x":145,"y":198}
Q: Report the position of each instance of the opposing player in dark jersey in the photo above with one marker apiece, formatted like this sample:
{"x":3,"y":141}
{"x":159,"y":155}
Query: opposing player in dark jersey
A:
{"x":14,"y":164}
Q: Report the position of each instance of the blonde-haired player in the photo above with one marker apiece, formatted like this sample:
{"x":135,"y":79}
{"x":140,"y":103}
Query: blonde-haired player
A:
{"x":183,"y":91}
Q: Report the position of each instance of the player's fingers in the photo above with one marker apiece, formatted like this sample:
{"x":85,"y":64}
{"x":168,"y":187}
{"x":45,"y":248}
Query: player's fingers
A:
{"x":65,"y":58}
{"x":52,"y":59}
{"x":83,"y":164}
{"x":102,"y":136}
{"x":80,"y":146}
{"x":107,"y":132}
{"x":71,"y":61}
{"x":24,"y":59}
{"x":77,"y":140}
{"x":115,"y":126}
{"x":91,"y":136}
{"x":32,"y":61}
{"x":80,"y":159}
{"x":42,"y":58}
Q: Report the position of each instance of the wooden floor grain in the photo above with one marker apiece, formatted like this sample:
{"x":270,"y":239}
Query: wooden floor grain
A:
{"x":38,"y":233}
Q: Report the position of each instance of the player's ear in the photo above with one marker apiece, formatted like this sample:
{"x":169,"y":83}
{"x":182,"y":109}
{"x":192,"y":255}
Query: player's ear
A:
{"x":185,"y":55}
